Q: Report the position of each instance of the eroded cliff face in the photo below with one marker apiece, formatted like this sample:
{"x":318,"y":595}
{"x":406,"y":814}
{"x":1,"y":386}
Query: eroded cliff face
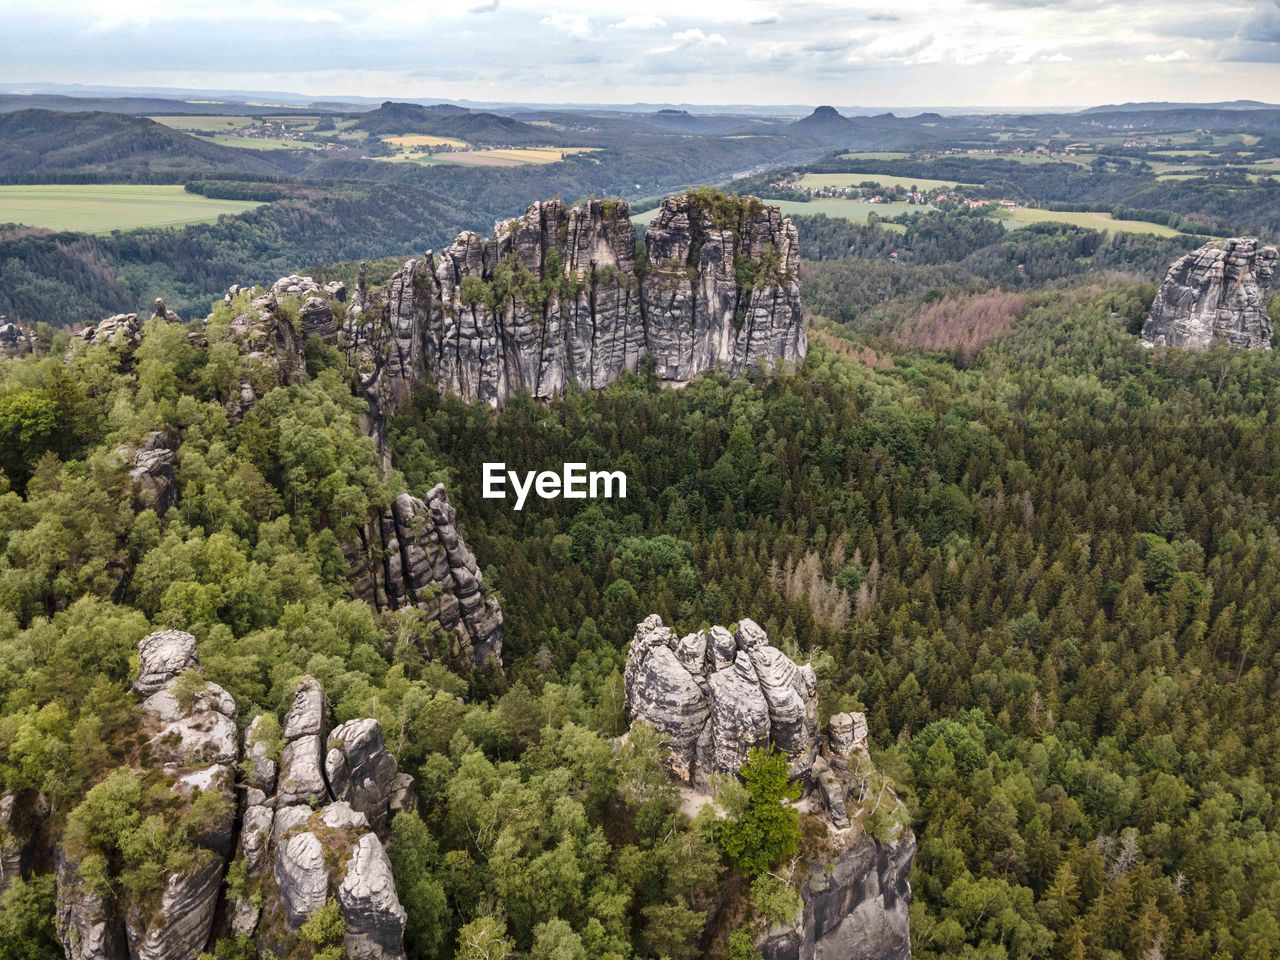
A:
{"x":1217,"y":294}
{"x":557,"y":296}
{"x":715,"y":694}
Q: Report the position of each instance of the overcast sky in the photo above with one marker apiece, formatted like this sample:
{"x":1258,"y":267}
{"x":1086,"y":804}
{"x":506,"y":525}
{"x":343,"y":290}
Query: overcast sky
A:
{"x":890,"y":53}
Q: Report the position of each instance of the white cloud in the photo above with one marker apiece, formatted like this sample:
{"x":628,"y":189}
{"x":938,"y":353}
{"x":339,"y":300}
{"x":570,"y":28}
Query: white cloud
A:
{"x":1178,"y":56}
{"x":322,"y":16}
{"x":490,"y":7}
{"x":575,"y":25}
{"x":646,"y":21}
{"x":694,"y":37}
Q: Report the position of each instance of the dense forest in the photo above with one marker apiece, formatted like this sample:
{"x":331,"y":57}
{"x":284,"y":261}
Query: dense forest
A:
{"x":1048,"y":577}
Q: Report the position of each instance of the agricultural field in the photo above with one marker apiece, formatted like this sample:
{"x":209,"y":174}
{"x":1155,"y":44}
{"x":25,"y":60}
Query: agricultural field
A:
{"x":261,"y":143}
{"x":510,"y":157}
{"x":410,"y":141}
{"x":213,"y":124}
{"x":842,"y":180}
{"x":98,"y":208}
{"x":1015,"y":217}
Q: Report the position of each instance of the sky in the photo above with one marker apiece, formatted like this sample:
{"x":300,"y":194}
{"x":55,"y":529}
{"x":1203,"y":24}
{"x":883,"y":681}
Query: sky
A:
{"x":891,"y":53}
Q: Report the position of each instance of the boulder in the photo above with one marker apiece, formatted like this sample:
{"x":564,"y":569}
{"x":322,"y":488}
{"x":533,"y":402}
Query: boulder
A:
{"x":362,"y":772}
{"x":161,"y":657}
{"x":302,"y":876}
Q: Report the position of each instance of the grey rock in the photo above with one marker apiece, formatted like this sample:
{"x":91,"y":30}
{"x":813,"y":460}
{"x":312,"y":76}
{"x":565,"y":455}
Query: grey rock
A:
{"x":713,"y":696}
{"x":362,"y":771}
{"x":179,"y":928}
{"x":306,"y":714}
{"x":262,"y":769}
{"x":302,"y":876}
{"x":301,"y":777}
{"x":161,"y":657}
{"x":374,"y":918}
{"x":88,"y":925}
{"x":411,"y":555}
{"x":1216,"y":294}
{"x":854,"y":907}
{"x":598,"y":319}
{"x":10,"y":844}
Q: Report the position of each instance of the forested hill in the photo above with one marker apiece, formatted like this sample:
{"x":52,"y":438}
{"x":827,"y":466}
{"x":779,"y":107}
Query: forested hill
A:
{"x":39,"y":145}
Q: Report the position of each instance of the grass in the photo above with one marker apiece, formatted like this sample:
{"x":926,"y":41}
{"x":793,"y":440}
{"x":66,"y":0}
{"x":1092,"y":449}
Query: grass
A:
{"x":260,"y":143}
{"x":839,"y":180}
{"x":211,"y":123}
{"x":1021,"y":216}
{"x":99,"y":208}
{"x":425,"y":140}
{"x":875,"y":155}
{"x":513,"y":157}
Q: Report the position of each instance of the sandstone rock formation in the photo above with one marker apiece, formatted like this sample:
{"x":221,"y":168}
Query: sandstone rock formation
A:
{"x":123,"y":329}
{"x":412,"y":556}
{"x":712,"y":696}
{"x":1217,"y":294}
{"x":302,"y":840}
{"x":311,"y":832}
{"x":15,"y":340}
{"x":715,"y":695}
{"x":153,"y":471}
{"x":190,"y":730}
{"x":556,"y":296}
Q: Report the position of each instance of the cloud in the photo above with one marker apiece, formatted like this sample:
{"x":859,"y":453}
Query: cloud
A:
{"x":1178,"y":56}
{"x":326,"y":16}
{"x":576,"y":25}
{"x":694,"y":37}
{"x":490,"y":7}
{"x":647,"y":21}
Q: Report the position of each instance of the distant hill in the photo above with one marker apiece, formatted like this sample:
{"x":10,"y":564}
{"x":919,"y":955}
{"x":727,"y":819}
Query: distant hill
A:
{"x":1166,"y":105}
{"x":138,"y":106}
{"x":884,"y":131}
{"x":447,"y":120}
{"x":46,"y":143}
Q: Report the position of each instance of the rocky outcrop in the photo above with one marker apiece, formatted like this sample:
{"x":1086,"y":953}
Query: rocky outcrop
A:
{"x":123,"y":330}
{"x":191,"y":744}
{"x":316,"y":837}
{"x":1217,"y":294}
{"x":153,"y":470}
{"x":15,"y":340}
{"x":300,"y":842}
{"x":855,"y":906}
{"x":411,"y":555}
{"x":557,"y":297}
{"x":715,"y":694}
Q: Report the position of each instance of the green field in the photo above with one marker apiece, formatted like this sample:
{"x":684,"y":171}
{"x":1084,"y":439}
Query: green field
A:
{"x":855,"y":210}
{"x":1015,"y":217}
{"x":841,"y":180}
{"x":261,"y":143}
{"x":102,"y":208}
{"x":197,"y":122}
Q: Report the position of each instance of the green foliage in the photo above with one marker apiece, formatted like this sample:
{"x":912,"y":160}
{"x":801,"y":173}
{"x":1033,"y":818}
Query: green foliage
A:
{"x":27,"y":922}
{"x":775,"y":899}
{"x":766,"y":832}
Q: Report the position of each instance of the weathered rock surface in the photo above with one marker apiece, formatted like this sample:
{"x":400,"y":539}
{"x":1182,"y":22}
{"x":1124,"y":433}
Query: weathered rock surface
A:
{"x":855,"y":907}
{"x":153,"y":470}
{"x":555,"y":297}
{"x":303,"y":847}
{"x":712,"y":697}
{"x":411,"y":555}
{"x":299,"y":845}
{"x":191,"y":737}
{"x":122,"y":329}
{"x":1217,"y":294}
{"x":714,"y":701}
{"x":15,"y":340}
